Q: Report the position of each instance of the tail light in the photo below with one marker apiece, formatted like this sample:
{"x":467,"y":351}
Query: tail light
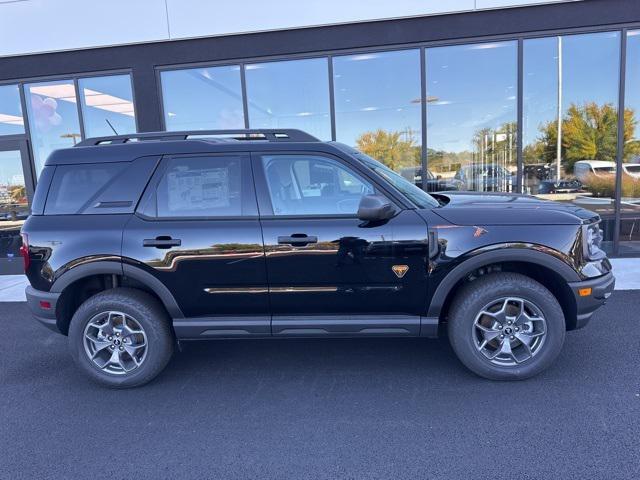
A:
{"x":24,"y":251}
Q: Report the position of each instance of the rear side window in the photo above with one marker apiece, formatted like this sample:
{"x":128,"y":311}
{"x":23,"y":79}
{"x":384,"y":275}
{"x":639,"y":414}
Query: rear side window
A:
{"x":74,"y":186}
{"x":99,"y":188}
{"x":204,"y":186}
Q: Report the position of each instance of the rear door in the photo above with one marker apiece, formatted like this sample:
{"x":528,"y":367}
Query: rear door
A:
{"x":197,"y":231}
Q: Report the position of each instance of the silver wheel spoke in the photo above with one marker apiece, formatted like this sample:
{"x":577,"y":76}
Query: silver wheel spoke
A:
{"x":488,"y":333}
{"x":99,"y":344}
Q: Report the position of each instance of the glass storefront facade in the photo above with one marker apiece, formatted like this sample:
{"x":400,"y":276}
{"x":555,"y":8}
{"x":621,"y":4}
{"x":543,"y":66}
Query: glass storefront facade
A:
{"x":536,"y":114}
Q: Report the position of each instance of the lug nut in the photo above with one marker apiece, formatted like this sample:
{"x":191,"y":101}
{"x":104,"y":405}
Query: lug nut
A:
{"x":121,"y":348}
{"x":112,"y":347}
{"x":117,"y":334}
{"x":499,"y":327}
{"x":501,"y":336}
{"x":509,"y":322}
{"x":511,"y":337}
{"x":109,"y":338}
{"x":125,"y":340}
{"x":517,"y":329}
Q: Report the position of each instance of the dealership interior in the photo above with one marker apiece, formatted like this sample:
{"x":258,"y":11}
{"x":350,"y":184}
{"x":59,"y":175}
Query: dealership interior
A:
{"x":536,"y":114}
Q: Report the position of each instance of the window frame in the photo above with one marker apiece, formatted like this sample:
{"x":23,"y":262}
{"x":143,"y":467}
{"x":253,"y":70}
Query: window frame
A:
{"x":265,"y":206}
{"x":148,"y":212}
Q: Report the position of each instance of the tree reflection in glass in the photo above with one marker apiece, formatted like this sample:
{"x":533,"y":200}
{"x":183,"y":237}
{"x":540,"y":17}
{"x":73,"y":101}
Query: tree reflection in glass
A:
{"x":570,"y":121}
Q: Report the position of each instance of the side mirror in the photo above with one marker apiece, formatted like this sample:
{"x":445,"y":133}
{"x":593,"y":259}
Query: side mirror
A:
{"x":375,"y":208}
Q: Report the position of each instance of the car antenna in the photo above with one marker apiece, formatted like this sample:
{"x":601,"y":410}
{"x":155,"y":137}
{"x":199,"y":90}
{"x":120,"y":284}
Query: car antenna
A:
{"x":109,"y":123}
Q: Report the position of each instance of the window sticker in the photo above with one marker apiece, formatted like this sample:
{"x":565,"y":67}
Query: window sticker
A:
{"x":198,"y":189}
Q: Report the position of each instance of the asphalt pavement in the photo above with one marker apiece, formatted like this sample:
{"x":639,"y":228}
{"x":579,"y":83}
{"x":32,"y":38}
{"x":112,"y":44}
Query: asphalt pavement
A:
{"x":366,"y":408}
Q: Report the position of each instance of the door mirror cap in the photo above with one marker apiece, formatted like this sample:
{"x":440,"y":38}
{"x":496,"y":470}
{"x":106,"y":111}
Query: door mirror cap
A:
{"x":375,"y":208}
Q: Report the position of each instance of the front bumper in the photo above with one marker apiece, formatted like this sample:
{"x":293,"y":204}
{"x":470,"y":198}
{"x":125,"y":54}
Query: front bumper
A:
{"x":601,"y":289}
{"x":43,"y":307}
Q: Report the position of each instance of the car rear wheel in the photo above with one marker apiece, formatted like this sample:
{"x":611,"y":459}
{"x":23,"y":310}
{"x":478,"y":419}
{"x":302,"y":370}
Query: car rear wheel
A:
{"x":121,"y":338}
{"x":506,"y":326}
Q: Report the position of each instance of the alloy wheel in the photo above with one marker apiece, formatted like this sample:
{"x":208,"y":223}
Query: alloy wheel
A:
{"x":509,"y":331}
{"x":115,"y":342}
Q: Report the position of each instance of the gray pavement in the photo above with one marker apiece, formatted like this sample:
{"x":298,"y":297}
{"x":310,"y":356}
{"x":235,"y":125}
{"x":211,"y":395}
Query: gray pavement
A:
{"x":375,"y":408}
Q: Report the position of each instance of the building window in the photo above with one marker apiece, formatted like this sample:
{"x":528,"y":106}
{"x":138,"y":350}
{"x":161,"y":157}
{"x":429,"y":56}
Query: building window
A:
{"x":471,"y":116}
{"x":53,"y":117}
{"x":107,"y":105}
{"x":293,"y":94}
{"x":11,"y":121}
{"x":630,"y":201}
{"x":202,"y":98}
{"x":378,"y":107}
{"x":569,"y":123}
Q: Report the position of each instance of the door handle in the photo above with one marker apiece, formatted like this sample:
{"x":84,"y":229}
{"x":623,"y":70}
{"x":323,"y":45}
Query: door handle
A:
{"x":298,"y":239}
{"x":162,"y":242}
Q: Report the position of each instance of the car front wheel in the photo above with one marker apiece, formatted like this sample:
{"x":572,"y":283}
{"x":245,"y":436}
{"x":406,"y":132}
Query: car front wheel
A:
{"x":506,"y":326}
{"x":121,"y":338}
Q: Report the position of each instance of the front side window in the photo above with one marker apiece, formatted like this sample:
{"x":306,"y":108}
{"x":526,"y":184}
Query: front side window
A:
{"x":313,"y":185}
{"x":202,"y":187}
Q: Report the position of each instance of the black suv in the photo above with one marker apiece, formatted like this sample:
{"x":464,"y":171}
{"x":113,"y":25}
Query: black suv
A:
{"x":137,"y":243}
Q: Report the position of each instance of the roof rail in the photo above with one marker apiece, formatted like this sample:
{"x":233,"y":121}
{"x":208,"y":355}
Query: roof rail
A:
{"x":248,"y":134}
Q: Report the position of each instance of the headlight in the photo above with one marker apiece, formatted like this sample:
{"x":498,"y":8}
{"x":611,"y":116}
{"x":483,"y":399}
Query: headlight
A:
{"x":592,"y":240}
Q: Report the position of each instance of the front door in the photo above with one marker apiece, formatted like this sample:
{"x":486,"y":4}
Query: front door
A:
{"x":329,"y":272}
{"x":16,"y":192}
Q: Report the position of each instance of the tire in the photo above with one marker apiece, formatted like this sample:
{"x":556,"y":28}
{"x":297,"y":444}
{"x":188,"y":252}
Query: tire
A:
{"x":151,"y":345}
{"x":522,"y":360}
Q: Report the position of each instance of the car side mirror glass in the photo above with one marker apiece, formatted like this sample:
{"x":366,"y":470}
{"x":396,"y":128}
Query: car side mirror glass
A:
{"x":375,"y":208}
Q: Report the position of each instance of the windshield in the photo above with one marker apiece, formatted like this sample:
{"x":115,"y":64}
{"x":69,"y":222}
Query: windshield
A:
{"x":417,"y":196}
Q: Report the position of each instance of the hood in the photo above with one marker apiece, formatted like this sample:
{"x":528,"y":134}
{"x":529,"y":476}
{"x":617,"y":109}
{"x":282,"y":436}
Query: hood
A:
{"x":472,"y":208}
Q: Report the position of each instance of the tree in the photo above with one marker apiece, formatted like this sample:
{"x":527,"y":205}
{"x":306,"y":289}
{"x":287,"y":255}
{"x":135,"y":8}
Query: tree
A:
{"x":589,"y":132}
{"x":396,"y":149}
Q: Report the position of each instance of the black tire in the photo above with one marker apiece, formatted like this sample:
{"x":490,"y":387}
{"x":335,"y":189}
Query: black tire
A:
{"x":150,"y":315}
{"x":474,"y":296}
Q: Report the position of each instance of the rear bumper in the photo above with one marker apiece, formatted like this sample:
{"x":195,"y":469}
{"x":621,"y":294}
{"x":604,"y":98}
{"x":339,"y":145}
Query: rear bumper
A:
{"x":43,"y":307}
{"x":601,"y":289}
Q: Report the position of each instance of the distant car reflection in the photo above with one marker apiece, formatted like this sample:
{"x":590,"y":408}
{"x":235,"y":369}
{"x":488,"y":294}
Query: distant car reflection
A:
{"x":432,"y":182}
{"x":486,"y":177}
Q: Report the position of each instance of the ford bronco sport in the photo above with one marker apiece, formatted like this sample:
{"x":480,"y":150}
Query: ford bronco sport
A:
{"x":136,"y":243}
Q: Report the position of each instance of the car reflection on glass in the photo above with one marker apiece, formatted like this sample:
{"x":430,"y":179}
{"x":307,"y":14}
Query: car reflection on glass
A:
{"x":560,"y":186}
{"x":433,"y":183}
{"x":487,"y":177}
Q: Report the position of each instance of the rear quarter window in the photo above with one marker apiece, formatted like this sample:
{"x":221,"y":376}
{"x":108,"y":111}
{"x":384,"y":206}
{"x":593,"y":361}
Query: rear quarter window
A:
{"x":75,"y":185}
